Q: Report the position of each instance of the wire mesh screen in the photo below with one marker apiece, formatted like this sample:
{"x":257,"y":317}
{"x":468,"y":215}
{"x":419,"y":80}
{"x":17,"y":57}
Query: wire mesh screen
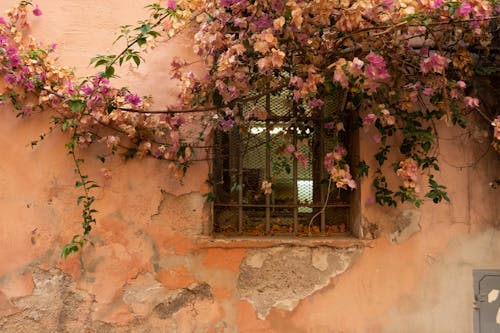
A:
{"x":246,"y":157}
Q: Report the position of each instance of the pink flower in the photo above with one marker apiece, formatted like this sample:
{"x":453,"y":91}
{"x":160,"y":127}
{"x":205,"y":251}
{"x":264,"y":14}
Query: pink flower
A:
{"x":436,"y":4}
{"x":111,"y":141}
{"x":2,"y":21}
{"x":86,"y":89}
{"x":171,"y":4}
{"x":290,"y":148}
{"x":329,"y":125}
{"x":428,"y":92}
{"x":133,"y":99}
{"x":369,"y":119}
{"x":37,"y":11}
{"x":435,"y":63}
{"x":375,"y":71}
{"x":267,"y":187}
{"x":342,"y":177}
{"x":355,"y":66}
{"x":387,"y":4}
{"x":29,"y":85}
{"x":340,"y":77}
{"x":27,"y":110}
{"x":338,"y":153}
{"x":464,"y":9}
{"x":461,"y":84}
{"x":496,"y":125}
{"x":471,"y":102}
{"x":315,"y":103}
{"x":387,"y":118}
{"x":408,"y":169}
{"x":424,"y":51}
{"x":303,"y":161}
{"x":227,"y":124}
{"x":328,"y":161}
{"x":10,"y":78}
{"x":375,"y":59}
{"x":297,"y":81}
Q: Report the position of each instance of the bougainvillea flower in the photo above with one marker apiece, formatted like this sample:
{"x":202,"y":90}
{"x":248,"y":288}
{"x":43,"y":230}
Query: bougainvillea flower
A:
{"x":471,"y":102}
{"x":267,"y":187}
{"x":37,"y":11}
{"x":171,"y":4}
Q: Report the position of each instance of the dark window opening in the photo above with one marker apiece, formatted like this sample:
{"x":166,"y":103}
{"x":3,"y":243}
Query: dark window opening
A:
{"x":246,"y":157}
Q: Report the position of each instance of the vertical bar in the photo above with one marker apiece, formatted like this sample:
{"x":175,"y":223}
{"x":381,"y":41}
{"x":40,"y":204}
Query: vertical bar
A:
{"x":295,"y":178}
{"x":268,"y":164}
{"x":321,"y":157}
{"x":240,"y":181}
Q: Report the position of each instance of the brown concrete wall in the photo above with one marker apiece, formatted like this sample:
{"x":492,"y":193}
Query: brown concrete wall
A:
{"x":152,"y":269}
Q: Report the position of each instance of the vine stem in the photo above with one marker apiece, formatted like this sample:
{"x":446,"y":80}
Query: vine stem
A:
{"x":323,"y":208}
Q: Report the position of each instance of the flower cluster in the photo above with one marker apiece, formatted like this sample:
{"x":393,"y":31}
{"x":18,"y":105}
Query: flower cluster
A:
{"x":338,"y":169}
{"x":400,"y":63}
{"x":95,"y":110}
{"x":408,"y":171}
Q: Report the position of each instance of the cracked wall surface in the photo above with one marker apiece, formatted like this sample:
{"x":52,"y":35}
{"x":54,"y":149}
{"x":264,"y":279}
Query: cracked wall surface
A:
{"x":282,"y":276}
{"x":152,"y":267}
{"x":57,"y":305}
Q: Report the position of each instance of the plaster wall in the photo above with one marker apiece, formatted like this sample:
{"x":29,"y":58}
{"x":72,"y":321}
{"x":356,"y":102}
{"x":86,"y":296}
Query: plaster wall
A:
{"x":153,"y":268}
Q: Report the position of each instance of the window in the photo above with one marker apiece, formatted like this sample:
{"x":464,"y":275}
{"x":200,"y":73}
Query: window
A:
{"x":244,"y":158}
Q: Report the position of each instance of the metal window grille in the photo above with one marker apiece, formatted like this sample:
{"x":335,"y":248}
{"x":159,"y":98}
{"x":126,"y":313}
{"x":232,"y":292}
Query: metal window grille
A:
{"x":245,"y":157}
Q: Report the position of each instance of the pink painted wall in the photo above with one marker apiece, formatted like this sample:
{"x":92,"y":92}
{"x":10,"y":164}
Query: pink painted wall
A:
{"x":153,"y":269}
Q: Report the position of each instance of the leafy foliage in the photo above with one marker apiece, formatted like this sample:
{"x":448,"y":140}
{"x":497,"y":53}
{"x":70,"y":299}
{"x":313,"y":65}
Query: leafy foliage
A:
{"x":403,"y":65}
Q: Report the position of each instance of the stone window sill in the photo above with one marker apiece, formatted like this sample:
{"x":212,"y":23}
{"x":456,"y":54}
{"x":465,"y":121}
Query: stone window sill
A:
{"x":272,"y":241}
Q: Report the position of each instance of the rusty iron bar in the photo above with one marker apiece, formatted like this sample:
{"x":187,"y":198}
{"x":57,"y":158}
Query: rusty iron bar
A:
{"x":268,"y":163}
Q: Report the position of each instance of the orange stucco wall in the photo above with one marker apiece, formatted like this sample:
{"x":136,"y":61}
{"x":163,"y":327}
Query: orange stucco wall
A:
{"x":153,"y":269}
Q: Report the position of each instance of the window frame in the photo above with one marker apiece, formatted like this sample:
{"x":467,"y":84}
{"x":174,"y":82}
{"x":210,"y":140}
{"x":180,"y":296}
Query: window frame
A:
{"x":354,"y":219}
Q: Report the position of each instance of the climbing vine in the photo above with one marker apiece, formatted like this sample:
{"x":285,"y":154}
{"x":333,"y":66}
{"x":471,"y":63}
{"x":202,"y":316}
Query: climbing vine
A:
{"x":404,"y":66}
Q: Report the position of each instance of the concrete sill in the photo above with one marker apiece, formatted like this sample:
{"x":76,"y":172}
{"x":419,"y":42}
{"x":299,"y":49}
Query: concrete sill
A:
{"x":272,"y":241}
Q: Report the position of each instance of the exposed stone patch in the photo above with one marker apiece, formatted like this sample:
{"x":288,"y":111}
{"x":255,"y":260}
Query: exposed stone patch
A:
{"x":282,"y":276}
{"x":55,"y":306}
{"x":196,"y":292}
{"x":406,"y":225}
{"x":144,"y":293}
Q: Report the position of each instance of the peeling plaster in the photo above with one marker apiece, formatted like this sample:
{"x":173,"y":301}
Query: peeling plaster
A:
{"x":186,"y":296}
{"x":57,"y":305}
{"x":189,"y":209}
{"x":282,"y":276}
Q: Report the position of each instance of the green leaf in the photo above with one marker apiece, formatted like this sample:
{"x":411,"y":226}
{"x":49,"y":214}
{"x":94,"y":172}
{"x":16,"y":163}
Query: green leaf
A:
{"x":136,"y":59}
{"x":65,"y":125}
{"x":76,"y":105}
{"x":210,"y":196}
{"x":109,"y":72}
{"x":145,"y":28}
{"x":101,"y":62}
{"x":141,"y":41}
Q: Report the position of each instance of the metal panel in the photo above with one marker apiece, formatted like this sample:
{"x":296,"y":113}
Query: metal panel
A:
{"x":486,"y":301}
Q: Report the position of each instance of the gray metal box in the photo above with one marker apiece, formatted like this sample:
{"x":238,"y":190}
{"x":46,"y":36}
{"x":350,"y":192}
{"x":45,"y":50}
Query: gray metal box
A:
{"x":486,"y":300}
